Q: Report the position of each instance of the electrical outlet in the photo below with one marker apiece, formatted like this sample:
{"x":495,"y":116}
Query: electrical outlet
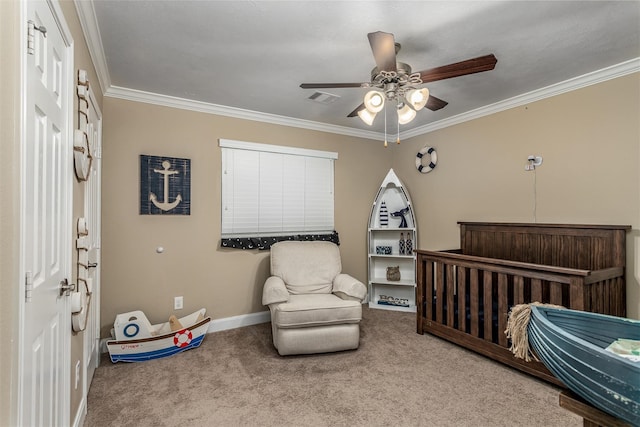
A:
{"x":177,"y":303}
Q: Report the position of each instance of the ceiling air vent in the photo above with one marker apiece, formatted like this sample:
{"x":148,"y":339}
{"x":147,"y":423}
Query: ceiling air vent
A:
{"x":323,"y":97}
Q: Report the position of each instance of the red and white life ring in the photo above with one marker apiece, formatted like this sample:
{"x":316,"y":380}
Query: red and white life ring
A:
{"x":433,"y":159}
{"x":182,"y":338}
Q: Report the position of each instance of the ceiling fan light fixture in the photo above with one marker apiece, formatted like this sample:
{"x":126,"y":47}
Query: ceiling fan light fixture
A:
{"x":405,"y":114}
{"x":374,"y":101}
{"x":417,"y":98}
{"x":367,"y":116}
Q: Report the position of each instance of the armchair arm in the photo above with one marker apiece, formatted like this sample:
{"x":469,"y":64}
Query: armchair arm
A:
{"x":347,"y":287}
{"x":274,"y":291}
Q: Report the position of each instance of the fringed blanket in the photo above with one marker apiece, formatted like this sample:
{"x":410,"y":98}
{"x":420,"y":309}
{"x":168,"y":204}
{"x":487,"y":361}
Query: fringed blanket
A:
{"x":517,"y":330}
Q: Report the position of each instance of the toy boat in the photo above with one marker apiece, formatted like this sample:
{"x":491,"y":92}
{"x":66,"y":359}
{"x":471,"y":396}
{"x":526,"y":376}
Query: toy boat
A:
{"x":137,"y":340}
{"x":595,"y":355}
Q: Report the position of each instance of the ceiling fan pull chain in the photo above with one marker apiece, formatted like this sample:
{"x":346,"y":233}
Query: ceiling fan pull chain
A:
{"x":385,"y":127}
{"x":398,"y":138}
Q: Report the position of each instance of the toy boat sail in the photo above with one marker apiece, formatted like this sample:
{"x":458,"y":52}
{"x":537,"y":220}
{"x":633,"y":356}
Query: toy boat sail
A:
{"x":137,"y":340}
{"x":595,"y":355}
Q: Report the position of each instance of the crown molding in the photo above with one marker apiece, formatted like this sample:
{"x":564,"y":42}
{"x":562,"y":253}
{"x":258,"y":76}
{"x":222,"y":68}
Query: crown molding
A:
{"x":609,"y":73}
{"x":238,"y":113}
{"x":89,"y":23}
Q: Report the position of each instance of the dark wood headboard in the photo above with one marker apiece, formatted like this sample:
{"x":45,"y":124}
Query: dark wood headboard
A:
{"x":585,"y":247}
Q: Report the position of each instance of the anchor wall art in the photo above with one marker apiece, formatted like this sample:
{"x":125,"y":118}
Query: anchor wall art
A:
{"x":165,"y":185}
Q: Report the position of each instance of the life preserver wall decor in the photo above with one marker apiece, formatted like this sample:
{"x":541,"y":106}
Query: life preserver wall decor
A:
{"x":81,"y":297}
{"x":82,"y":157}
{"x":433,"y":160}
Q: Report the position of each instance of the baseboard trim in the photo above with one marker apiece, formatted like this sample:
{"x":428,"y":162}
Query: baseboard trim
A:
{"x":81,"y":413}
{"x":217,"y":325}
{"x":234,"y":322}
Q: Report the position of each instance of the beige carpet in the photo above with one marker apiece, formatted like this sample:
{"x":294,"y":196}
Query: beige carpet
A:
{"x":395,"y":378}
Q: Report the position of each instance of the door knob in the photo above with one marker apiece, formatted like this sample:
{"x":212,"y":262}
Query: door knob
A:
{"x":66,"y":287}
{"x":92,"y":265}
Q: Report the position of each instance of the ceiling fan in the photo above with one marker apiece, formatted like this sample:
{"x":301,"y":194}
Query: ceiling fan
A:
{"x":393,"y":81}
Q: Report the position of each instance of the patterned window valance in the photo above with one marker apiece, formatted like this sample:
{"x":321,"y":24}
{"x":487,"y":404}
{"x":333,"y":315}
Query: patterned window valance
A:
{"x":264,"y":243}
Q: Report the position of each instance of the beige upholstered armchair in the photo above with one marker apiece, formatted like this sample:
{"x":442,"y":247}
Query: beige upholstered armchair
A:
{"x":314,"y":307}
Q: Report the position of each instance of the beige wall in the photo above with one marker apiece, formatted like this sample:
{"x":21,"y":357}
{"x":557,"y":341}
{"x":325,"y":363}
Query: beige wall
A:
{"x":226,"y":282}
{"x":9,"y":213}
{"x":590,"y":142}
{"x":589,"y":175}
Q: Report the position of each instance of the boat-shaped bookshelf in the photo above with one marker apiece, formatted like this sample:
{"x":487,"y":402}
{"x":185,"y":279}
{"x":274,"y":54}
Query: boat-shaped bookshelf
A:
{"x":392,"y":236}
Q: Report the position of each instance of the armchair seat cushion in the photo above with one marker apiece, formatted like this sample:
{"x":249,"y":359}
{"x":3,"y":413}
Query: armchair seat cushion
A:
{"x":308,"y":310}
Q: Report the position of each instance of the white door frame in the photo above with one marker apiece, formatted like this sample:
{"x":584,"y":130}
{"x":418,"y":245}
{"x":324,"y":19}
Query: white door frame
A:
{"x":66,"y":209}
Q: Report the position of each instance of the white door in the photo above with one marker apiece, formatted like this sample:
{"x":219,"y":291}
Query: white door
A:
{"x":46,"y":216}
{"x":92,"y":197}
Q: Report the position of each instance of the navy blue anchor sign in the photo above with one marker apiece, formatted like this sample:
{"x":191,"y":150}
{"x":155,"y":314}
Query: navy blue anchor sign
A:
{"x":165,"y":186}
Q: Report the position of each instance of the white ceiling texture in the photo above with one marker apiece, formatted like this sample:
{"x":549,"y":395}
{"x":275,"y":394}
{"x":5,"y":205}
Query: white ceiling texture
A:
{"x":248,"y":58}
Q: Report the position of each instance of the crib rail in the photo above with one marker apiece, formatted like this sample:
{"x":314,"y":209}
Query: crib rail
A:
{"x":466,"y":299}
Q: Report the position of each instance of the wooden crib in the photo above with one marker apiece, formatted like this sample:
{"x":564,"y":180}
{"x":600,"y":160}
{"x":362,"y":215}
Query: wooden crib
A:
{"x":464,"y":295}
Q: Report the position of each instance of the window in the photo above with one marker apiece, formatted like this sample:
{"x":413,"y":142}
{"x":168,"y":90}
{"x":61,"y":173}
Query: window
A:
{"x":271,"y":190}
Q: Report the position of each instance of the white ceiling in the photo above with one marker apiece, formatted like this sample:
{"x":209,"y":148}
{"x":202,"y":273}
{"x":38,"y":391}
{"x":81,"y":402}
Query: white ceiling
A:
{"x":253,"y":55}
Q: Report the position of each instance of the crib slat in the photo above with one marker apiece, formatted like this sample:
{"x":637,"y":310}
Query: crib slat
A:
{"x":611,"y":287}
{"x":619,"y":307}
{"x":420,"y":304}
{"x":555,"y":293}
{"x":614,"y":302}
{"x":595,"y":297}
{"x":518,"y":290}
{"x":439,"y":291}
{"x":579,"y":295}
{"x":488,"y":305}
{"x":502,"y":308}
{"x":536,"y":290}
{"x":473,"y":296}
{"x":428,"y":309}
{"x":599,"y":297}
{"x":451,"y":313}
{"x":462,"y":298}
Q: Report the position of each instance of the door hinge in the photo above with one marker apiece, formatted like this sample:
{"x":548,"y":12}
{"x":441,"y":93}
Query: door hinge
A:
{"x":28,"y":286}
{"x":31,"y":32}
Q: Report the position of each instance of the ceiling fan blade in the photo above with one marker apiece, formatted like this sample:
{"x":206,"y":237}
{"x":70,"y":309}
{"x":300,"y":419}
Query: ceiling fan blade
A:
{"x":383,"y":47}
{"x":434,"y":104}
{"x":355,"y":112}
{"x":331,"y":85}
{"x":470,"y":66}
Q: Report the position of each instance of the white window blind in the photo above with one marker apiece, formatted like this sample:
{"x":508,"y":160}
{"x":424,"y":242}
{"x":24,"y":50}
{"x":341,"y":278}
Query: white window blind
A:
{"x":275,"y":190}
